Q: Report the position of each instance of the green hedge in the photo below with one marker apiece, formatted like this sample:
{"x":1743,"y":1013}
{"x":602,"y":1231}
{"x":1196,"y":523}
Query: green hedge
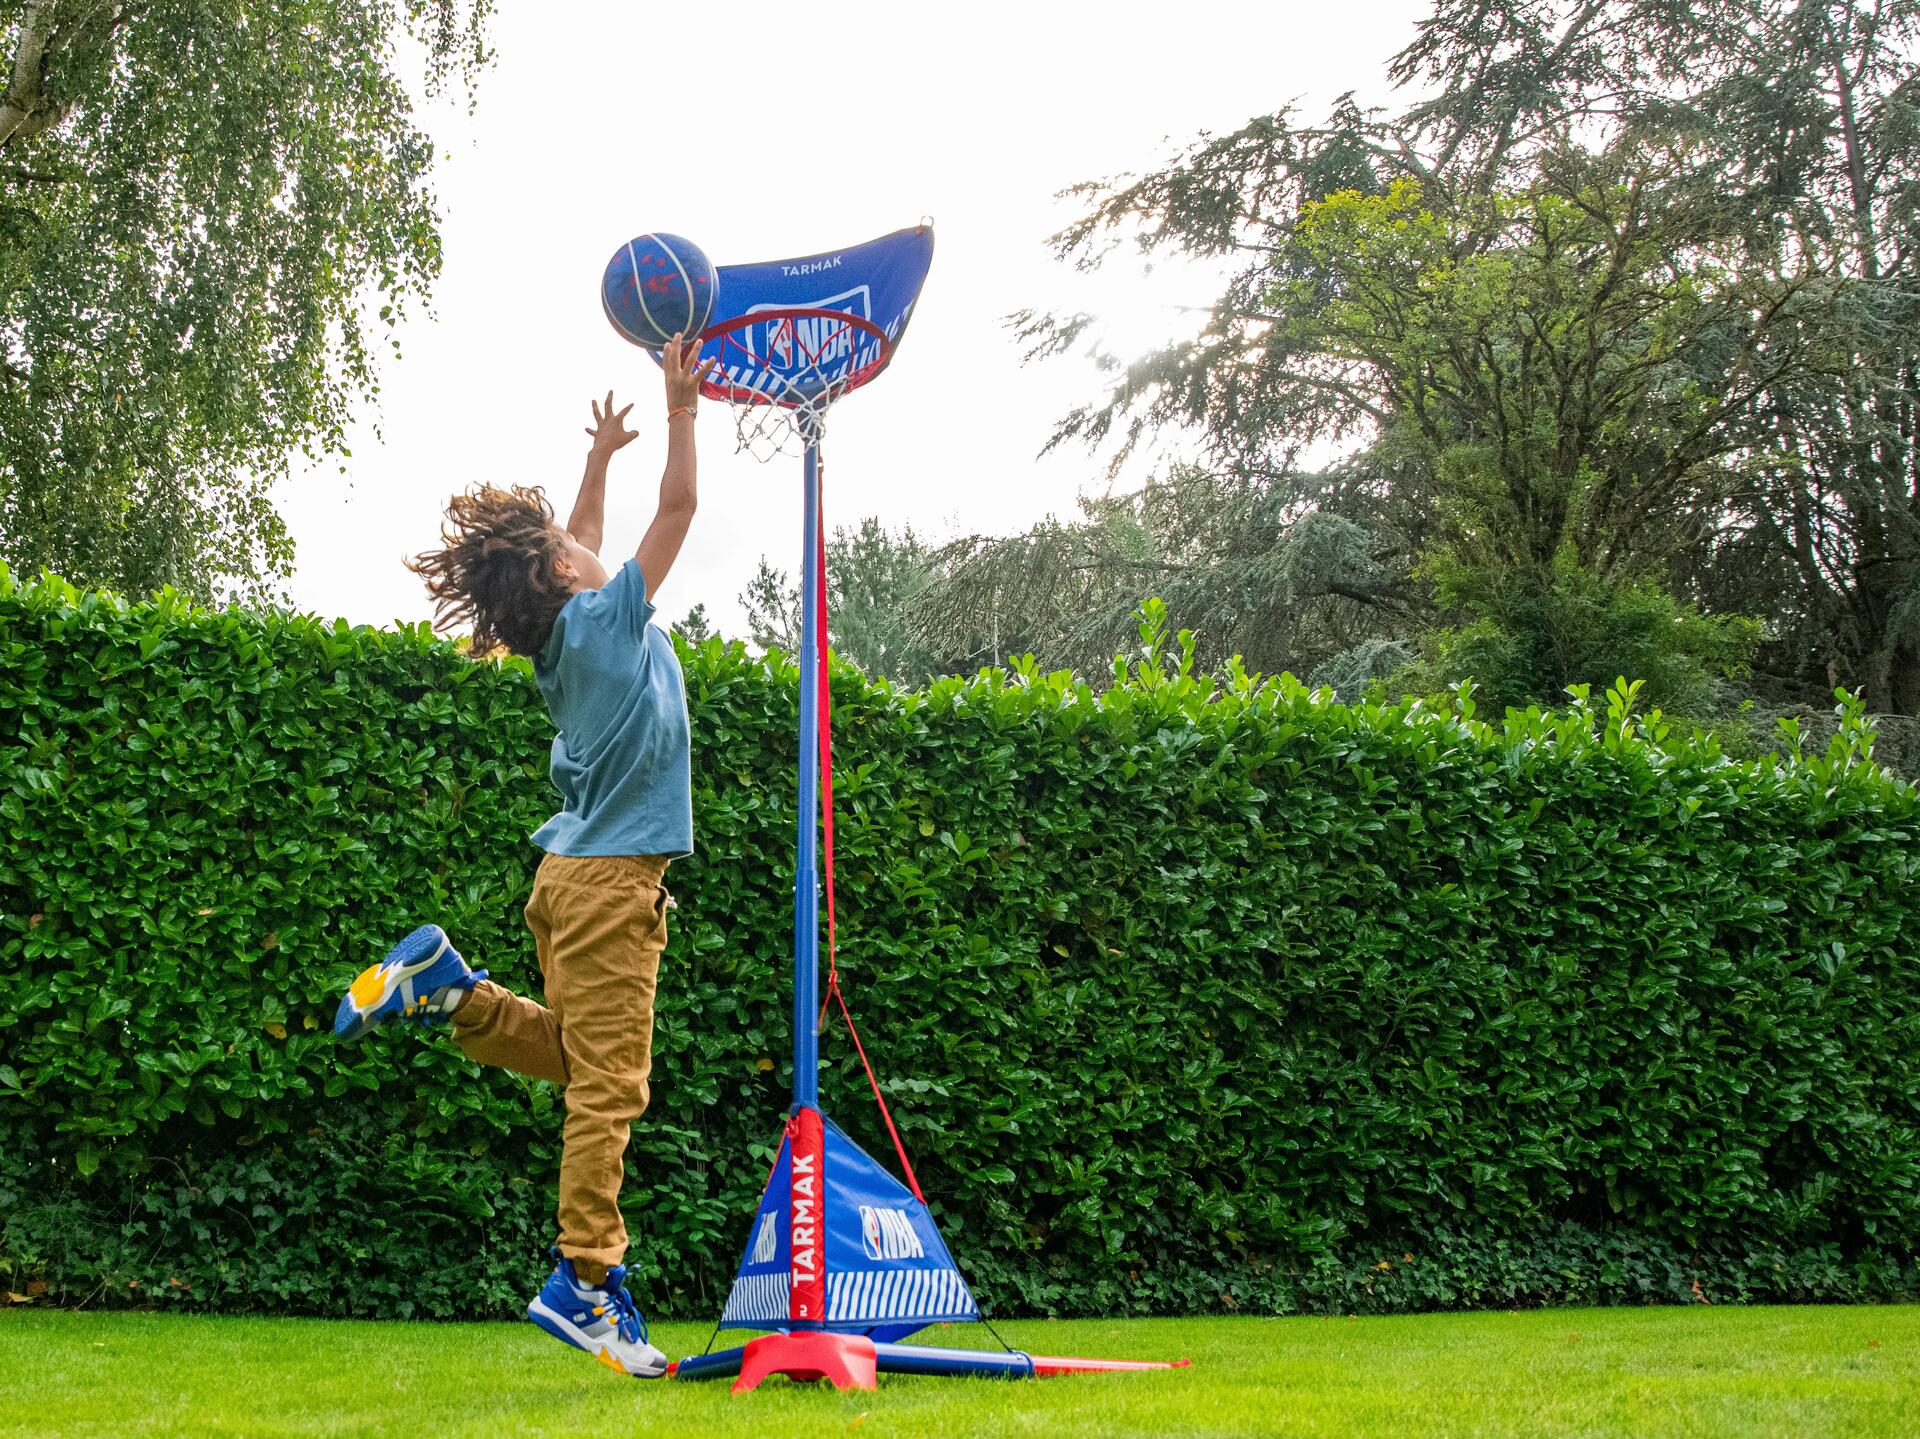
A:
{"x":1192,"y":994}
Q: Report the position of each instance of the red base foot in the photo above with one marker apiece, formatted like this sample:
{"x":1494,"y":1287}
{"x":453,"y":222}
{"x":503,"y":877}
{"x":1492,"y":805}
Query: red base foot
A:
{"x":845,"y":1359}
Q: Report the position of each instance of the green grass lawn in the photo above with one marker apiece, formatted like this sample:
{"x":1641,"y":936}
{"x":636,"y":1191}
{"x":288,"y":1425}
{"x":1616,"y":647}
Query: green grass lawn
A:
{"x":1667,"y":1372}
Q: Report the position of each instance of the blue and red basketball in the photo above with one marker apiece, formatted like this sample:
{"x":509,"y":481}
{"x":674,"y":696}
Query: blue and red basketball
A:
{"x":657,"y":286}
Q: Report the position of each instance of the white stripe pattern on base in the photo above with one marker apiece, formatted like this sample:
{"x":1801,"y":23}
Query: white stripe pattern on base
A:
{"x":876,"y":1294}
{"x":757,"y":1298}
{"x":872,"y":1294}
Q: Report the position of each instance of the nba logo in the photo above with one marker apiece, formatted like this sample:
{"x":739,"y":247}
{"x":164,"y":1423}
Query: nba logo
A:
{"x":888,"y":1234}
{"x":779,"y":346}
{"x":813,"y":343}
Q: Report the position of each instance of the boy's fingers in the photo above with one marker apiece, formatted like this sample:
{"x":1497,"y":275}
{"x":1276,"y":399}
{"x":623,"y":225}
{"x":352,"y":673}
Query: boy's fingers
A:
{"x":624,"y":413}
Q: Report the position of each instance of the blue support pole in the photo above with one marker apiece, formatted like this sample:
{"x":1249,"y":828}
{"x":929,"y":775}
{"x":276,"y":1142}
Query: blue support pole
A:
{"x":952,"y":1363}
{"x":723,"y":1364}
{"x":806,"y":876}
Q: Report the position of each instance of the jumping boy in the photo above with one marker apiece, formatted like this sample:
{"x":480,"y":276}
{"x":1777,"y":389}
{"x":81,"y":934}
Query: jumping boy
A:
{"x":599,"y":908}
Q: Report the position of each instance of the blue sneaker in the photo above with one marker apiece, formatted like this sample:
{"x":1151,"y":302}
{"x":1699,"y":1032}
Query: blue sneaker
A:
{"x":605,"y":1321}
{"x":423,"y":977}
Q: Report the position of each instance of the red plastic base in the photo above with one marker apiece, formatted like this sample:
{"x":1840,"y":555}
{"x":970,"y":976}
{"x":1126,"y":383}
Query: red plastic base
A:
{"x":845,"y":1360}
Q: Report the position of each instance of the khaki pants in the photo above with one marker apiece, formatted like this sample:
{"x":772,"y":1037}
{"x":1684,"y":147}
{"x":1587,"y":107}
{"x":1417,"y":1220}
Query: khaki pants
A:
{"x":599,"y":925}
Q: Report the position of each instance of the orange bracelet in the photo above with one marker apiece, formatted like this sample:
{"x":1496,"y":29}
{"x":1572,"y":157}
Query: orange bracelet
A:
{"x":686,"y":410}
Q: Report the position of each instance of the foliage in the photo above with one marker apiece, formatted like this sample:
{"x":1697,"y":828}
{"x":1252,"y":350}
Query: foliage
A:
{"x":1656,"y":299}
{"x":1191,"y":994}
{"x":1280,"y":587}
{"x":1544,"y":638}
{"x":772,"y":604}
{"x":1572,"y":394}
{"x":1548,"y":397}
{"x":877,"y":582}
{"x":695,"y":628}
{"x":201,"y":207}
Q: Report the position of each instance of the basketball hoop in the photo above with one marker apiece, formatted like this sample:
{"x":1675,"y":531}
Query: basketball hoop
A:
{"x":781,"y":369}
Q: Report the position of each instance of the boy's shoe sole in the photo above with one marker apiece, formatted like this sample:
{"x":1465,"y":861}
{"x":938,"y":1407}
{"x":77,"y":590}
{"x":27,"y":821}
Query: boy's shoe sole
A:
{"x":375,"y":985}
{"x":562,"y":1329}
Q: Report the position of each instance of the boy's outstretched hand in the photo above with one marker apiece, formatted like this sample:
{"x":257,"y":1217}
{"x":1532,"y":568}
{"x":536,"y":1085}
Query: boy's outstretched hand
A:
{"x":608,"y":428}
{"x":684,"y":372}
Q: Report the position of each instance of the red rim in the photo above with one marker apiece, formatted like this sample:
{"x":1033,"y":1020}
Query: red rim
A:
{"x":736,"y":352}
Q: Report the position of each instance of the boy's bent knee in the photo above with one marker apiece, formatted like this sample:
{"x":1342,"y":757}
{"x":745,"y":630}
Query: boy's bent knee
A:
{"x":609,"y":1096}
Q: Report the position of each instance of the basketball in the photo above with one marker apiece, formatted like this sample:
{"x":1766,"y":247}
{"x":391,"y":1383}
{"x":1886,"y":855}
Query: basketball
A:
{"x":656,"y":286}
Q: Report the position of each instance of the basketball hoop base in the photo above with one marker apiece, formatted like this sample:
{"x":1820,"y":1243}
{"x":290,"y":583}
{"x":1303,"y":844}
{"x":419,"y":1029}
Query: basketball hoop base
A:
{"x":852,"y":1361}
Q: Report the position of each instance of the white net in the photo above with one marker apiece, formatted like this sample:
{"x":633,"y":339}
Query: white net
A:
{"x":767,"y":428}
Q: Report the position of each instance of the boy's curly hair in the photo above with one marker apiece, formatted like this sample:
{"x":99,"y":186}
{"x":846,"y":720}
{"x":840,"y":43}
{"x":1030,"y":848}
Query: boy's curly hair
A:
{"x":496,"y":570}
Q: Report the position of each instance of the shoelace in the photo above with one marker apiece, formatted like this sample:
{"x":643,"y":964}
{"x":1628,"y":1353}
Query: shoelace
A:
{"x":628,"y":1319}
{"x":426,"y":1008}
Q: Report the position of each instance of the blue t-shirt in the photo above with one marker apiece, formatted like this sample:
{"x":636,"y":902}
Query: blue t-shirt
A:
{"x":620,"y":757}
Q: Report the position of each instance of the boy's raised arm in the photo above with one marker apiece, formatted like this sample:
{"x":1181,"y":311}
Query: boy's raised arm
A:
{"x":587,"y":524}
{"x":679,"y":495}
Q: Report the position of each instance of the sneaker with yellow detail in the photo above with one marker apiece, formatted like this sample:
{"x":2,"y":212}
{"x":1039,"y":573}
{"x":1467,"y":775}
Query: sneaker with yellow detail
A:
{"x":423,"y":977}
{"x":603,"y":1320}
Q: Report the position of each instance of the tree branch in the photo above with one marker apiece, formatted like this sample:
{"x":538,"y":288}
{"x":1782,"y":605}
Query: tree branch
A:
{"x":20,"y":104}
{"x":24,"y":109}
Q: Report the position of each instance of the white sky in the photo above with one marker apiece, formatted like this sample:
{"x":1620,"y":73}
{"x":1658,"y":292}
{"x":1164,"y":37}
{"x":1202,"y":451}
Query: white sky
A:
{"x":778,"y":130}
